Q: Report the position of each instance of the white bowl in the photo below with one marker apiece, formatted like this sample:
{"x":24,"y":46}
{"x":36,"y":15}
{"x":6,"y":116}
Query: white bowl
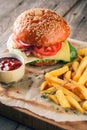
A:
{"x":12,"y":75}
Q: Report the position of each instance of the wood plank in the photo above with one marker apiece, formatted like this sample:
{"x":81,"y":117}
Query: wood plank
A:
{"x":40,"y":123}
{"x":64,"y":6}
{"x":5,"y":9}
{"x":28,"y":118}
{"x":77,"y":19}
{"x":4,"y":15}
{"x":8,"y":17}
{"x":7,"y":21}
{"x":22,"y":127}
{"x":6,"y":123}
{"x":55,"y":5}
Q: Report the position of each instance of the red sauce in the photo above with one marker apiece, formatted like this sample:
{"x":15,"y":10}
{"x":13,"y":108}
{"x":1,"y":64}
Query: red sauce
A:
{"x":9,"y":63}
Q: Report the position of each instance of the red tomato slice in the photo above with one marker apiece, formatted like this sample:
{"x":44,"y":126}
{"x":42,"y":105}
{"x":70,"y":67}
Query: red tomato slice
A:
{"x":48,"y":51}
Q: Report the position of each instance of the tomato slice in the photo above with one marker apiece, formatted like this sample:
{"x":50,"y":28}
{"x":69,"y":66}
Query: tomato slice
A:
{"x":48,"y":51}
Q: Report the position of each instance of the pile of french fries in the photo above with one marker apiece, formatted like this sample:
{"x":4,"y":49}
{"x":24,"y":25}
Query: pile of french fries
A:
{"x":67,"y":86}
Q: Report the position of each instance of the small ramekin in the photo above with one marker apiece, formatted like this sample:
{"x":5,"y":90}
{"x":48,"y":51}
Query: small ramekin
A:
{"x":13,"y":75}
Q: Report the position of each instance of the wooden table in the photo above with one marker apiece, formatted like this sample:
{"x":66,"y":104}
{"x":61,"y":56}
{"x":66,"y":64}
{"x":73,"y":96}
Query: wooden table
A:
{"x":74,"y":11}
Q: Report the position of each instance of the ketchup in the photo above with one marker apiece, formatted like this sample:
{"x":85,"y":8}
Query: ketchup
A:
{"x":9,"y":63}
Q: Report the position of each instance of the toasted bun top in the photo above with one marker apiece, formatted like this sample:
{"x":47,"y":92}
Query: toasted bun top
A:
{"x":40,"y":27}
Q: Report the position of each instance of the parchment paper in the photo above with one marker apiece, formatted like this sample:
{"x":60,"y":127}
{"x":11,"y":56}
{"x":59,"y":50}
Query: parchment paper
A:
{"x":26,"y":94}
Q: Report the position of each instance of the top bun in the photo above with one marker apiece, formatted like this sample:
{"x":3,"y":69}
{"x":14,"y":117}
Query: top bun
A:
{"x":40,"y":27}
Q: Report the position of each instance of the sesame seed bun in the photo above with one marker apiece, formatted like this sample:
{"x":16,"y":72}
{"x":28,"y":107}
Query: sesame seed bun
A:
{"x":40,"y":27}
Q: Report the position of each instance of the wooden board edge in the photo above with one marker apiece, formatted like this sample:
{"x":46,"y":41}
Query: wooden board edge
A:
{"x":28,"y":118}
{"x":37,"y":122}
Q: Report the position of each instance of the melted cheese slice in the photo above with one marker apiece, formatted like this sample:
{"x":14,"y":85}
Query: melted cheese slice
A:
{"x":63,"y":54}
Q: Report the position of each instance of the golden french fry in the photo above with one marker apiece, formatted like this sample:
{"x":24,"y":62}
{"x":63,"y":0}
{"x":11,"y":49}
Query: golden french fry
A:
{"x":57,"y":86}
{"x":78,"y":93}
{"x":69,"y":64}
{"x":43,"y":86}
{"x":73,"y":74}
{"x":75,"y":65}
{"x":81,"y":68}
{"x":79,"y":58}
{"x":83,"y":90}
{"x":83,"y":78}
{"x":82,"y":51}
{"x":67,"y":92}
{"x":86,"y":84}
{"x":59,"y":71}
{"x":49,"y":90}
{"x":84,"y":106}
{"x":74,"y":103}
{"x":53,"y":79}
{"x":54,"y":98}
{"x":67,"y":75}
{"x":70,"y":86}
{"x":62,"y":99}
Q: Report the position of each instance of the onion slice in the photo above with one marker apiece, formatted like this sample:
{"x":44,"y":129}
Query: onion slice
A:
{"x":19,"y":43}
{"x":24,"y":44}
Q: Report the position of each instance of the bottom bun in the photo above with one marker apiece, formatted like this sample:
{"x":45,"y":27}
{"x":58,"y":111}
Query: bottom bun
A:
{"x":44,"y":63}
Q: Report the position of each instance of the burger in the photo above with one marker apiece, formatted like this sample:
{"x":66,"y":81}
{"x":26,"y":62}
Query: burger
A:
{"x":40,"y":36}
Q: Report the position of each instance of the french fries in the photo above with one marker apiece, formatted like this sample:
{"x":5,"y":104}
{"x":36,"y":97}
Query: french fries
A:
{"x":62,"y":99}
{"x":80,"y":69}
{"x":59,"y":71}
{"x":66,"y":91}
{"x":82,"y":52}
{"x":78,"y":93}
{"x":84,"y":106}
{"x":49,"y":90}
{"x":51,"y":78}
{"x":83,"y":78}
{"x":67,"y":86}
{"x":83,"y":91}
{"x":75,"y":65}
{"x":43,"y":86}
{"x":67,"y":75}
{"x":75,"y":104}
{"x":53,"y":98}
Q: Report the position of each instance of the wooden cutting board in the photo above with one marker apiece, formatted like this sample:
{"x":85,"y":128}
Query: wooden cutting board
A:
{"x":37,"y":122}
